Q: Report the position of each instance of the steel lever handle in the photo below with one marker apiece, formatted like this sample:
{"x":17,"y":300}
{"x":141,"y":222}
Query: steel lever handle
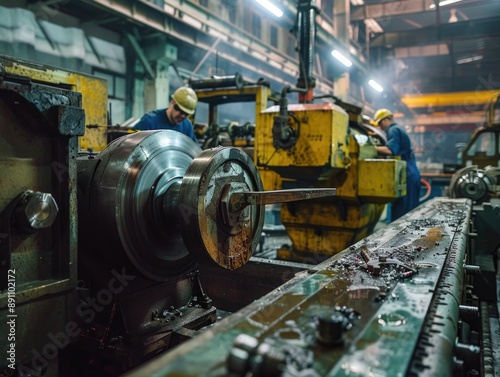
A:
{"x":240,"y":200}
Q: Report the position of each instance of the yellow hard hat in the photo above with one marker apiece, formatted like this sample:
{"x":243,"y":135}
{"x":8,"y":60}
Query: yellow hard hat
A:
{"x":186,"y":99}
{"x":381,"y":114}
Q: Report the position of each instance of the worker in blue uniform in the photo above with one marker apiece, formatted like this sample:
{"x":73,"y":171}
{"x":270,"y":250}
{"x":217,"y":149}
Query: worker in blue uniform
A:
{"x":399,"y":144}
{"x":175,"y":117}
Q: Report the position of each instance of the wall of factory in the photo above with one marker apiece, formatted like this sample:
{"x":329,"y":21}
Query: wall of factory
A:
{"x":441,"y":143}
{"x":38,"y":37}
{"x":25,"y":35}
{"x":33,"y":37}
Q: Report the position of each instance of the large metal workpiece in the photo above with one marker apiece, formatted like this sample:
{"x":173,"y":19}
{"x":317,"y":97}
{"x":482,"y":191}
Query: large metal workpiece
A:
{"x":397,"y":303}
{"x":154,"y":209}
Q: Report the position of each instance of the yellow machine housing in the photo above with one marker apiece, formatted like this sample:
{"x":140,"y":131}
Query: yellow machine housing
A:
{"x":94,"y":92}
{"x":328,"y":153}
{"x":331,"y":150}
{"x":322,"y":142}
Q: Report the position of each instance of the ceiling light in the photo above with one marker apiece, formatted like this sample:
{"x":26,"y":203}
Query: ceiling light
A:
{"x":470,"y":59}
{"x":341,"y":58}
{"x":357,"y":2}
{"x":375,"y":85}
{"x":445,"y":2}
{"x":271,"y":7}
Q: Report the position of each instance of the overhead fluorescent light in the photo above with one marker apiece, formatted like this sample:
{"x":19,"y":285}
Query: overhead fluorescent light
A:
{"x":444,"y":2}
{"x":357,"y":2}
{"x":271,"y":7}
{"x":341,"y":58}
{"x":375,"y":85}
{"x":470,"y":59}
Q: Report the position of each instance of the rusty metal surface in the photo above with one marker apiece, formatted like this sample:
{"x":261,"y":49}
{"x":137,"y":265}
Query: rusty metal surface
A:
{"x":239,"y":200}
{"x":39,"y":126}
{"x":210,"y":233}
{"x":92,"y":90}
{"x":328,"y":153}
{"x":398,"y":311}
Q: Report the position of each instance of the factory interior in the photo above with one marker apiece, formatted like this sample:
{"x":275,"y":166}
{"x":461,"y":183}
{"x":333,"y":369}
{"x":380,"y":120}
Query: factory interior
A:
{"x":268,"y":246}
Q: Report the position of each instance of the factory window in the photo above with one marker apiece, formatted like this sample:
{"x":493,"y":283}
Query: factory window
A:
{"x":256,"y":25}
{"x":291,"y":49}
{"x":495,"y":111}
{"x":326,"y":7}
{"x":232,"y":15}
{"x":116,"y":84}
{"x":116,"y":96}
{"x":231,"y":9}
{"x":484,"y":145}
{"x":157,"y":2}
{"x":119,"y":87}
{"x":274,"y":36}
{"x":109,"y":78}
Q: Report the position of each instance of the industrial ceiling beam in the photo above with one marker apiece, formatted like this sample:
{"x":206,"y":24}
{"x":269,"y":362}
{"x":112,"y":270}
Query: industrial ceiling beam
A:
{"x":434,"y":49}
{"x":53,"y":45}
{"x":140,"y":54}
{"x":390,"y":9}
{"x":188,"y":14}
{"x":448,"y":120}
{"x":93,"y":48}
{"x":176,"y":18}
{"x":457,"y":30}
{"x":205,"y":57}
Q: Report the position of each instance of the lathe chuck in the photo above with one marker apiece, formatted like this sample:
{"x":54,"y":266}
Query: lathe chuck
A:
{"x":211,"y":230}
{"x":155,"y":200}
{"x":474,"y":183}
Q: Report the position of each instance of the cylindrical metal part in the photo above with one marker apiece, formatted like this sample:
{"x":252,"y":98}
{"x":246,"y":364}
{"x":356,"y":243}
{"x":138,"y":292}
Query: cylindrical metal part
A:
{"x":470,"y":354}
{"x":469,"y":314}
{"x":246,"y":342}
{"x":306,"y":31}
{"x":238,"y":362}
{"x":129,"y":202}
{"x":331,"y":329}
{"x":213,"y":235}
{"x":218,"y":82}
{"x":267,"y":361}
{"x":37,"y":210}
{"x":472,"y":269}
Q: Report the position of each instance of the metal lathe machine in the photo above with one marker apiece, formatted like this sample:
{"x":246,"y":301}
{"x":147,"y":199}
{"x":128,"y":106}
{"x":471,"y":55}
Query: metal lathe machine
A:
{"x":139,"y":259}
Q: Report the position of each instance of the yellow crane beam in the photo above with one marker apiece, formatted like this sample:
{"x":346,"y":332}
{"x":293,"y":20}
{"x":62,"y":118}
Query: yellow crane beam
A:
{"x":467,"y":99}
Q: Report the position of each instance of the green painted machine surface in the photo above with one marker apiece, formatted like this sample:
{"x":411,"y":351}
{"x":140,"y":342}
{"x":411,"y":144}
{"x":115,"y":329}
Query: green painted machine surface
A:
{"x":387,"y":306}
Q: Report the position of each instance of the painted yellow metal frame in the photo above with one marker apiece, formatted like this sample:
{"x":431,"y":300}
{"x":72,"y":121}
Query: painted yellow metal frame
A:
{"x":468,"y":99}
{"x":94,"y":92}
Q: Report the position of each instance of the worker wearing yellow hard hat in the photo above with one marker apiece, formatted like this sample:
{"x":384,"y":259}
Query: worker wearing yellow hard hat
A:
{"x":175,"y":117}
{"x":380,"y":115}
{"x":399,"y":144}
